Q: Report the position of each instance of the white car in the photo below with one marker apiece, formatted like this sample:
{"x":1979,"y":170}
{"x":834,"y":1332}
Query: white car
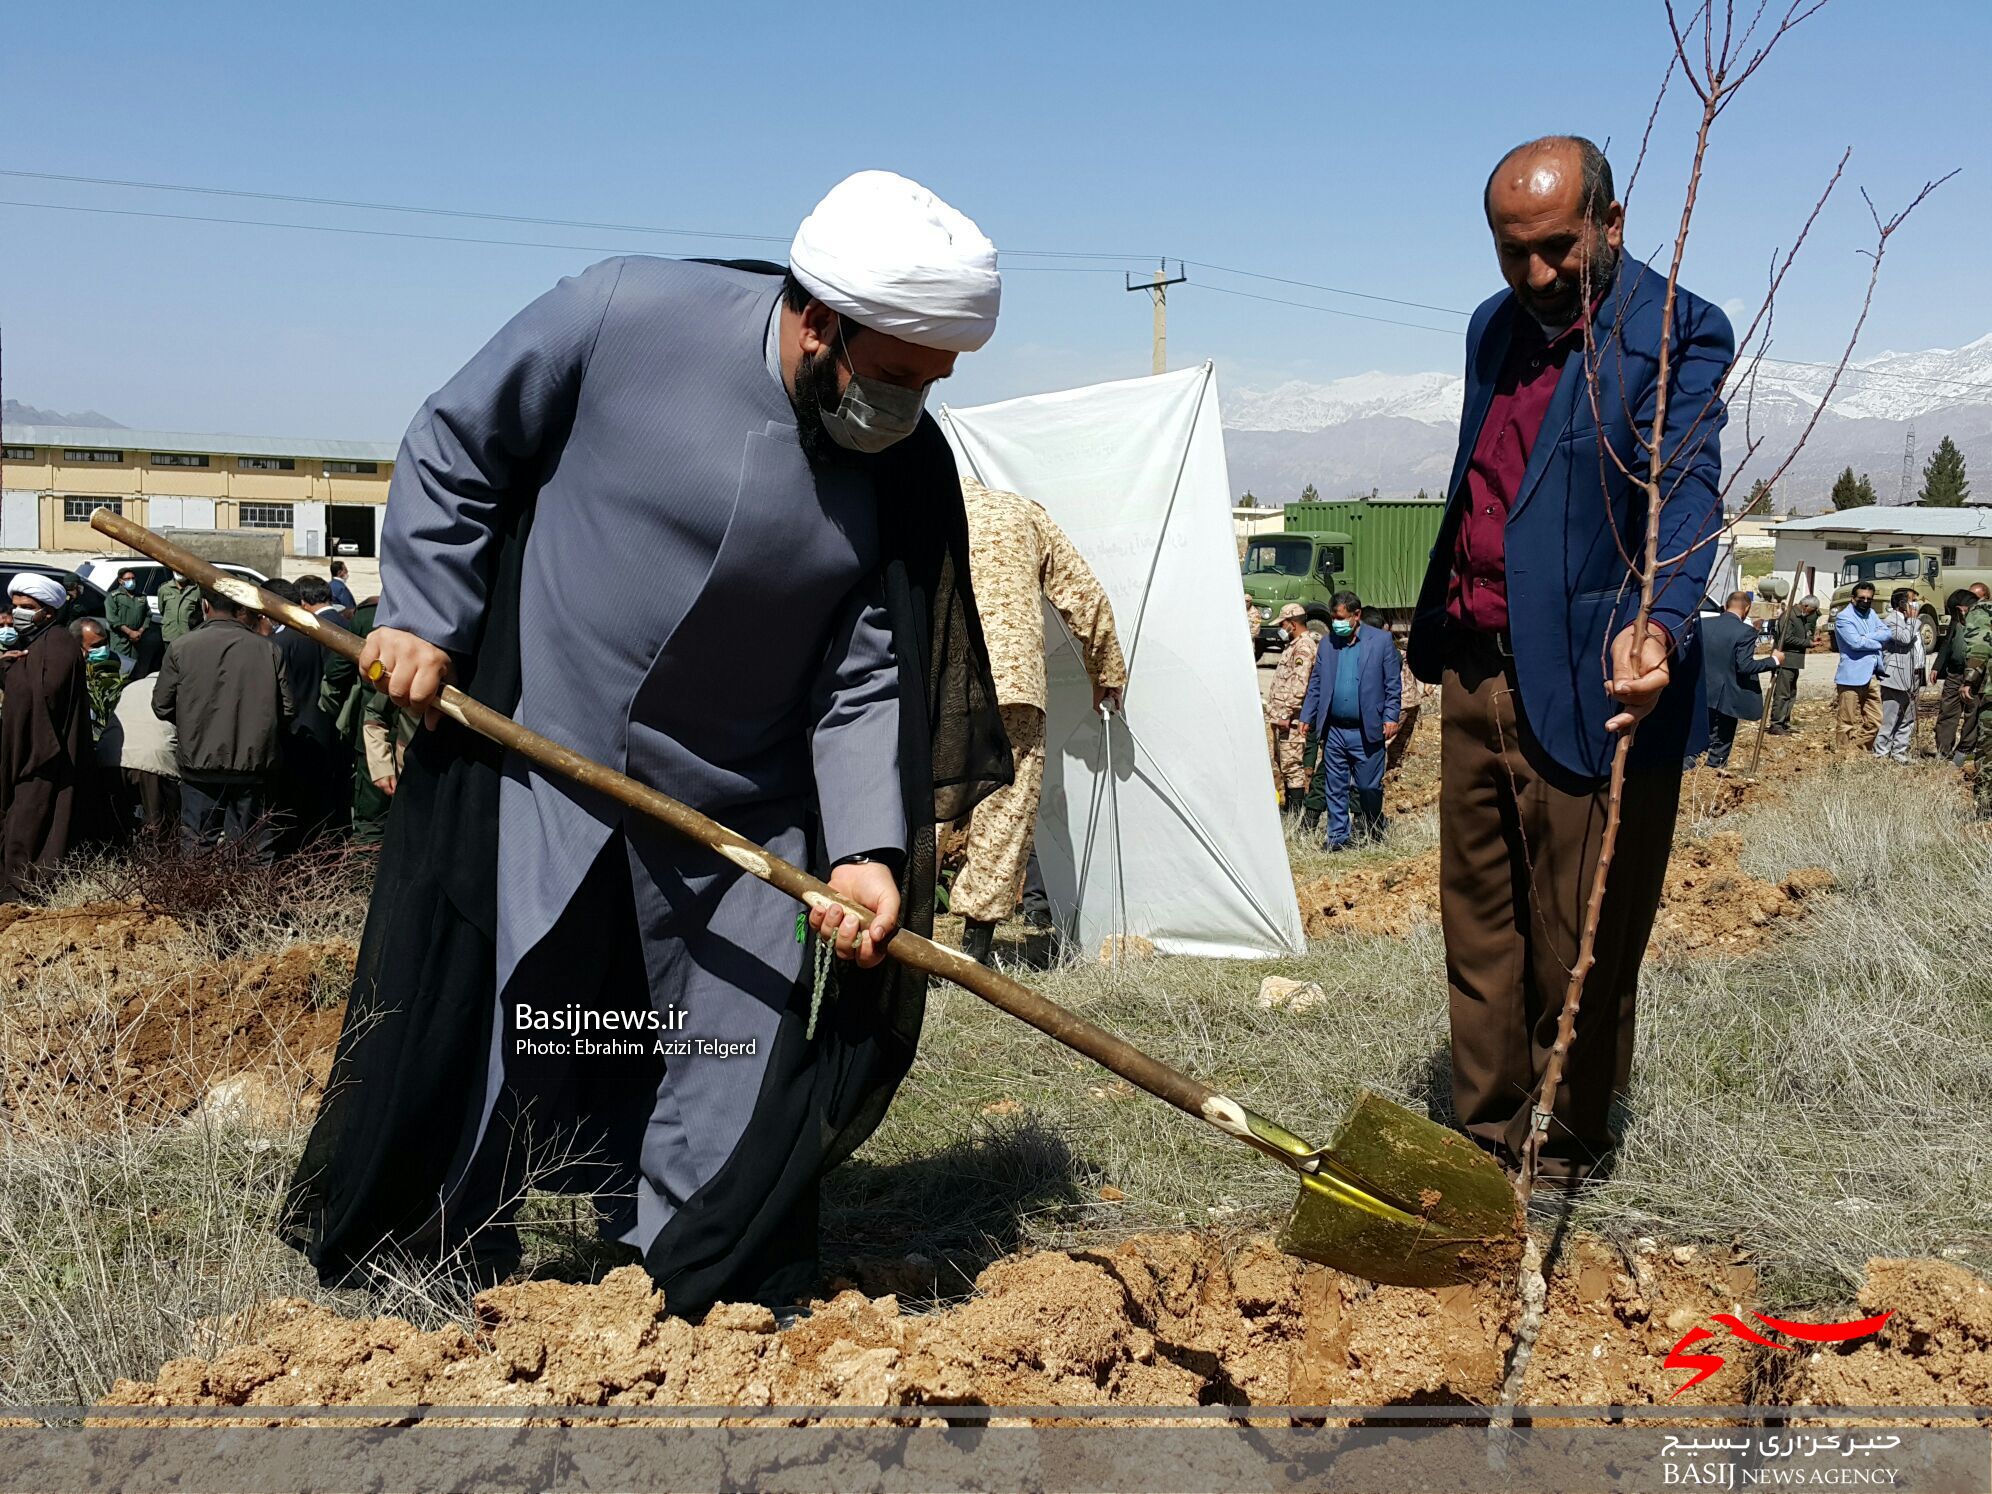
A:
{"x":102,"y":571}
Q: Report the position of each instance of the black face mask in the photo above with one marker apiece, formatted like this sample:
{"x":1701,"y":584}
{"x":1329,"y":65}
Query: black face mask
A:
{"x":1863,"y":606}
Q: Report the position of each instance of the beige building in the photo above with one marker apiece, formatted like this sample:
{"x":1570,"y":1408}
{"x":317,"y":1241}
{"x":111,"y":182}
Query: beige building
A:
{"x":325,"y":497}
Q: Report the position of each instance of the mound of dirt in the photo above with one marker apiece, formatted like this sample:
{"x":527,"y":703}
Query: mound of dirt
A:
{"x":138,"y":1025}
{"x":1613,"y":1317}
{"x":91,"y":946}
{"x":1935,"y":1349}
{"x":1710,"y":903}
{"x":1173,"y":1319}
{"x":1385,"y":899}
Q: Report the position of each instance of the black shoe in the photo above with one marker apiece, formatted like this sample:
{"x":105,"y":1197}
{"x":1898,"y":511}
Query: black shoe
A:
{"x":1777,"y":731}
{"x":1294,"y":801}
{"x":976,"y":937}
{"x":1310,"y":820}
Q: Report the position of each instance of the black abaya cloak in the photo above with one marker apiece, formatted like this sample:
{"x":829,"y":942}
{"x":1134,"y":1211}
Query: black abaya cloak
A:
{"x":402,"y":1110}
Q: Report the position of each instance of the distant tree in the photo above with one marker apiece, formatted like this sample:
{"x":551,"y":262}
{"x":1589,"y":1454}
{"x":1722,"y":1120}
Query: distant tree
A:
{"x":1759,"y":501}
{"x":1851,"y":493}
{"x":1362,"y":497}
{"x":1422,"y":497}
{"x":1310,"y":494}
{"x":1944,"y":485}
{"x":1248,"y":501}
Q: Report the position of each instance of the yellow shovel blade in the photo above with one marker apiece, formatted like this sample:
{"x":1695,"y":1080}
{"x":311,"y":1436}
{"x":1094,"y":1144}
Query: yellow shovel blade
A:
{"x":1451,"y":1215}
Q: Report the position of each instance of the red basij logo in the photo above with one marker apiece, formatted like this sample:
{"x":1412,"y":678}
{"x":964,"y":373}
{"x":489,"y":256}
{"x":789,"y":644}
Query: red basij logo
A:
{"x":1705,"y":1365}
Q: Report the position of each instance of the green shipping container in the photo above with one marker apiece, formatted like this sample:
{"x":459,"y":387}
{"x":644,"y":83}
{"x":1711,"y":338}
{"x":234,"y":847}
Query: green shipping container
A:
{"x":1391,"y":541}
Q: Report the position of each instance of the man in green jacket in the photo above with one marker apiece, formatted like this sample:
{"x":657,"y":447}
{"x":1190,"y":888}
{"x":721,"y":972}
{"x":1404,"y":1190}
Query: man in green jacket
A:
{"x":1976,"y":691}
{"x":126,"y":613}
{"x":179,"y":607}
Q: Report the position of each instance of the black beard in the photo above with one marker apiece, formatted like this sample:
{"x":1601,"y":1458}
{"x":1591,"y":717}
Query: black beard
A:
{"x":816,"y":391}
{"x":1567,"y":300}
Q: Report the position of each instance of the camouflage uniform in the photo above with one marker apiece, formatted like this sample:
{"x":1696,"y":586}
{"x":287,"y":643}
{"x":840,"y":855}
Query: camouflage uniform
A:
{"x":1283,"y":704}
{"x":1977,"y":626}
{"x":1019,"y":560}
{"x":1416,"y":692}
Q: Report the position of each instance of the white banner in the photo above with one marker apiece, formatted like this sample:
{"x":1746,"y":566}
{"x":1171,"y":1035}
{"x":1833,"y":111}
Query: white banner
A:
{"x":1163,"y":823}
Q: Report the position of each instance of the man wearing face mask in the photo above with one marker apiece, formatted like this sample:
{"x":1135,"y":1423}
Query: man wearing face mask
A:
{"x":1526,"y":621}
{"x":47,"y":753}
{"x":1354,"y":701}
{"x":1862,"y":635}
{"x":126,"y":613}
{"x":714,"y":436}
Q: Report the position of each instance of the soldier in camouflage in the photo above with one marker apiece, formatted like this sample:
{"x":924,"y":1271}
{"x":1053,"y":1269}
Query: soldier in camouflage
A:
{"x":1018,"y":560}
{"x":1283,"y":706}
{"x":1976,"y":693}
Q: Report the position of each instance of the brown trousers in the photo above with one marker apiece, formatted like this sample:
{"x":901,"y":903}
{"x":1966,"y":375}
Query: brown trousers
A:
{"x":1518,"y":846}
{"x":1858,"y":708}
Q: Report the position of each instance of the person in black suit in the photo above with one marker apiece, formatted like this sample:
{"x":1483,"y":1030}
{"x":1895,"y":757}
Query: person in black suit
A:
{"x":315,"y":788}
{"x":1730,"y":667}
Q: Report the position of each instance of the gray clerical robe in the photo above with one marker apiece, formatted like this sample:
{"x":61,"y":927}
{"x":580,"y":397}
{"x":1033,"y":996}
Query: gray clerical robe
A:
{"x":677,"y":519}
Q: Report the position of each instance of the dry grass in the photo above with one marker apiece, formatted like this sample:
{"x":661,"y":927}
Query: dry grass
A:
{"x":1820,"y":1101}
{"x":1823,"y":1100}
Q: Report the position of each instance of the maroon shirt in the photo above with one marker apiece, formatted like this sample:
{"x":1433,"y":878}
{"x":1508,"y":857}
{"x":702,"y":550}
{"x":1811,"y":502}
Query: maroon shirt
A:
{"x":1478,"y":595}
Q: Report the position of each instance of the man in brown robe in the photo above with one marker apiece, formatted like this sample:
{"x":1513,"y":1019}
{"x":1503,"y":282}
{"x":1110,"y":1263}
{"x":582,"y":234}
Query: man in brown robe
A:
{"x":47,"y":756}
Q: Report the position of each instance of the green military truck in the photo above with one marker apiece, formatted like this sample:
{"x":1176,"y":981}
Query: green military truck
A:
{"x":1375,"y":547}
{"x":1900,"y":565}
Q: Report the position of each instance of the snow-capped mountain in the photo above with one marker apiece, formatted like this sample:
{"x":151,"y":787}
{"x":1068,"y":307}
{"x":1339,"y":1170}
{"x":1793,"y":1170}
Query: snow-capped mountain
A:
{"x":1890,"y":386}
{"x":1295,"y":406}
{"x":1395,"y":432}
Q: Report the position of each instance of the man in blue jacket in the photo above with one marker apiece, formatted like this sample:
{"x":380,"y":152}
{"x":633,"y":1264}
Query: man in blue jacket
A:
{"x":1860,"y":634}
{"x":1730,"y":667}
{"x":1354,"y":700}
{"x":1526,"y":622}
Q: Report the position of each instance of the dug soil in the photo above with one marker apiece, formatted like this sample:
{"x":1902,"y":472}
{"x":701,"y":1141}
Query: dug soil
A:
{"x":1157,"y":1320}
{"x":109,"y":1010}
{"x":1710,"y":903}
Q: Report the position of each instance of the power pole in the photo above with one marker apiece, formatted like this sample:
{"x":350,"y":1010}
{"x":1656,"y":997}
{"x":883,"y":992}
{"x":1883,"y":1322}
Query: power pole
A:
{"x":1159,"y":289}
{"x":1908,"y":464}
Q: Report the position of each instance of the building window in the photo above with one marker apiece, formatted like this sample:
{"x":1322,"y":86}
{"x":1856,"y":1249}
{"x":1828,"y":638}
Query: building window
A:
{"x":1846,"y":544}
{"x":352,"y":469}
{"x":93,"y":456}
{"x":78,"y":510}
{"x":177,"y":459}
{"x":19,"y":454}
{"x":263,"y":515}
{"x":267,"y":464}
{"x":1950,"y":554}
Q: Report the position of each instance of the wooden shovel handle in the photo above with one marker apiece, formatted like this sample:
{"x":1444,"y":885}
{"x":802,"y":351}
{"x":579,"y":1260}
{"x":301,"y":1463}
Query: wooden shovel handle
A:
{"x":1048,"y":1017}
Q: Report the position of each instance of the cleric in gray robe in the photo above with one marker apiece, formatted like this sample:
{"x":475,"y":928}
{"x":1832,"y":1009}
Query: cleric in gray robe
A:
{"x":585,"y":527}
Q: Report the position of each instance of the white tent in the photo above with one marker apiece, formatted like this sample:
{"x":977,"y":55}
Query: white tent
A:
{"x":1162,"y":823}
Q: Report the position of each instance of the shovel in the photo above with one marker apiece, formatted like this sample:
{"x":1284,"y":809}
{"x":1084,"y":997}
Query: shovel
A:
{"x":1396,"y":1198}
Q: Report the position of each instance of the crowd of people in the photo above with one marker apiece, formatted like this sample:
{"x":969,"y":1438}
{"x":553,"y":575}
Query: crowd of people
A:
{"x":1337,"y":765}
{"x":658,"y":428}
{"x":208,"y":724}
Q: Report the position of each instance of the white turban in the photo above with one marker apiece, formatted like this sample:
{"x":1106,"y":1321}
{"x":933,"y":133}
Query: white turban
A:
{"x":892,"y":256}
{"x":44,"y":589}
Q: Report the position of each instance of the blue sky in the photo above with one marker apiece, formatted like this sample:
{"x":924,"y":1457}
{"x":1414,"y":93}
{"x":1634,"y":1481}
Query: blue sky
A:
{"x":1334,"y":143}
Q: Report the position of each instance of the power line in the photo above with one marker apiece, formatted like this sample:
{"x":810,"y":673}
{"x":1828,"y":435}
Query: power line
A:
{"x":477,"y":215}
{"x":1331,"y":289}
{"x":1225,"y":290}
{"x":1934,"y":380}
{"x":403,"y":233}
